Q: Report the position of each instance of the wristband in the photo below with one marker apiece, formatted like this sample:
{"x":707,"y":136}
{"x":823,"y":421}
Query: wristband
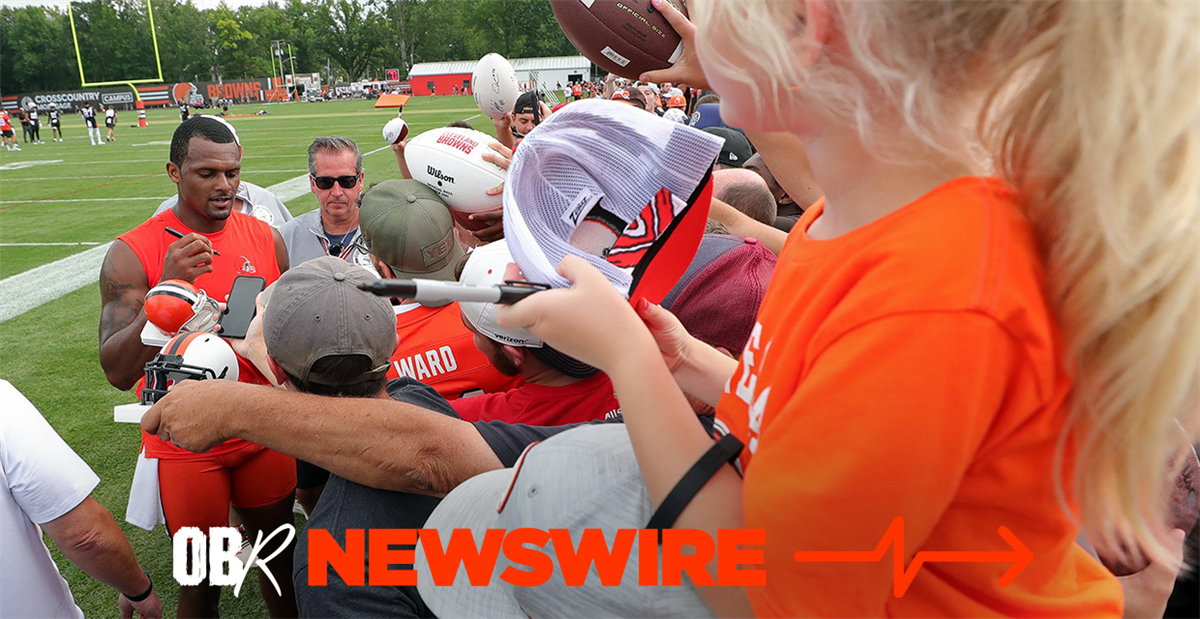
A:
{"x":145,"y":594}
{"x":724,"y":450}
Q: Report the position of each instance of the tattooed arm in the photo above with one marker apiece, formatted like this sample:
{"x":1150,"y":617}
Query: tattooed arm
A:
{"x":123,"y":285}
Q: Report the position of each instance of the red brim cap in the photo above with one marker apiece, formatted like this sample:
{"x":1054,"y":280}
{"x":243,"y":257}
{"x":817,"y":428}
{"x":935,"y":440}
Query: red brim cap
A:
{"x":641,"y":184}
{"x":666,"y":260}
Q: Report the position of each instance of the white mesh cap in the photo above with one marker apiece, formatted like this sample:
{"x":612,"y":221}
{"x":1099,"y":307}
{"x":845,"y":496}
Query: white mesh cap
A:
{"x":595,"y":156}
{"x":485,"y":267}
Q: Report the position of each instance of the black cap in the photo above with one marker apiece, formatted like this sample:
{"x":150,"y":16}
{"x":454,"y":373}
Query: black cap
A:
{"x":736,"y":150}
{"x":563,"y":363}
{"x":527,"y":103}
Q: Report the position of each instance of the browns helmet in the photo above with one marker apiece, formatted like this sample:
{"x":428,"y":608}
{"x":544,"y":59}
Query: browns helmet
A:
{"x":175,"y":306}
{"x":188,"y":356}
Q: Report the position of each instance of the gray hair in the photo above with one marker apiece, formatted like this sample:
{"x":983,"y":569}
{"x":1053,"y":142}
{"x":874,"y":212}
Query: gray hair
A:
{"x":333,"y":144}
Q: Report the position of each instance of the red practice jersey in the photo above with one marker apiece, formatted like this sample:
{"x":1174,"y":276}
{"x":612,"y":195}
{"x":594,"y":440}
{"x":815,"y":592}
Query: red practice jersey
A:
{"x":438,"y":350}
{"x":246,"y":247}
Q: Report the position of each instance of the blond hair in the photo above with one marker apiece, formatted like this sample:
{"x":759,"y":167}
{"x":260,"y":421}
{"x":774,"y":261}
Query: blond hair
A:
{"x":1092,"y":111}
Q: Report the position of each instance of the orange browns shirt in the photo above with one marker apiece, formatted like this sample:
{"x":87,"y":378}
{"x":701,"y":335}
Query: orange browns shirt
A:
{"x":911,"y":368}
{"x":438,"y":350}
{"x":247,"y":247}
{"x":5,"y":123}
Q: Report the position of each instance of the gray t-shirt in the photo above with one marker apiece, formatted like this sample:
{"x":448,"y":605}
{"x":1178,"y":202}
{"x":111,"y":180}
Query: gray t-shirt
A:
{"x":256,"y":201}
{"x":305,"y":239}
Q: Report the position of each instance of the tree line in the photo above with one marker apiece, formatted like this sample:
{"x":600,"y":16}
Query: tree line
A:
{"x":344,"y":40}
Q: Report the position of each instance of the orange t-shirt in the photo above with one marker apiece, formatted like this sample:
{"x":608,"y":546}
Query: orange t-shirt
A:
{"x":247,"y":247}
{"x":911,"y":368}
{"x":438,"y":350}
{"x":5,"y":124}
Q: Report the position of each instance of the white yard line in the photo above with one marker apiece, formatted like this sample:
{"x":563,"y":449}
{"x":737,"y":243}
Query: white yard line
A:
{"x":59,"y":178}
{"x":25,"y":291}
{"x":48,"y":244}
{"x":40,"y":285}
{"x":158,"y":198}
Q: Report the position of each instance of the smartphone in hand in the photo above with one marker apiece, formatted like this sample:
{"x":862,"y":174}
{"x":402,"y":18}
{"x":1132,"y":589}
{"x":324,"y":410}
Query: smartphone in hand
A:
{"x":240,"y":307}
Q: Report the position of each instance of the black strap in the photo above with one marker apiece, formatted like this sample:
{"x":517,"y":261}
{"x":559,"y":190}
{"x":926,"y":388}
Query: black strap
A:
{"x":724,"y":450}
{"x":145,"y":594}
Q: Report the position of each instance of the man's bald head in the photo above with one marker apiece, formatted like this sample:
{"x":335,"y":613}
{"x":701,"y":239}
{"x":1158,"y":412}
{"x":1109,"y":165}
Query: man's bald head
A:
{"x":756,"y":164}
{"x":746,"y":191}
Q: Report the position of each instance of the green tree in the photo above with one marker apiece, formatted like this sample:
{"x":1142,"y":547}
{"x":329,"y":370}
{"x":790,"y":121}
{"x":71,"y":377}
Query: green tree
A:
{"x":352,"y":33}
{"x":35,"y":47}
{"x":183,"y":41}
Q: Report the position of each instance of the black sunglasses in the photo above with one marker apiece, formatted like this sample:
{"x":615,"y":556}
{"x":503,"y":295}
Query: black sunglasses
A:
{"x":326,"y":182}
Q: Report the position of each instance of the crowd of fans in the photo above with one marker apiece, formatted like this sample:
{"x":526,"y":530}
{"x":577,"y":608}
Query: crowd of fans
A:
{"x":888,"y":323}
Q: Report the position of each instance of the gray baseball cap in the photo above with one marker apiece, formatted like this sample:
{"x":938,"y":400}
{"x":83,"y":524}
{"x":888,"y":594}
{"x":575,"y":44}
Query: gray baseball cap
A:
{"x":586,"y":478}
{"x":407,"y":226}
{"x":316,"y":310}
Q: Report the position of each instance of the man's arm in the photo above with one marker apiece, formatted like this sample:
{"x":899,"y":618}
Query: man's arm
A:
{"x":376,"y":442}
{"x":281,"y":254}
{"x":503,"y":127}
{"x":398,"y":150}
{"x":90,"y":538}
{"x":123,"y":286}
{"x":742,"y":225}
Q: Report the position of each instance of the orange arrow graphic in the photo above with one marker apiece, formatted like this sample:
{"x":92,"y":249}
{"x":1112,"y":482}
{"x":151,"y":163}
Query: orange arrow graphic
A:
{"x":894,"y":536}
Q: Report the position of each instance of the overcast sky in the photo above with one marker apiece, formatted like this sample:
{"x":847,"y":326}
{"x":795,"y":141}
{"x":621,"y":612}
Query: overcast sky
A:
{"x":202,"y":4}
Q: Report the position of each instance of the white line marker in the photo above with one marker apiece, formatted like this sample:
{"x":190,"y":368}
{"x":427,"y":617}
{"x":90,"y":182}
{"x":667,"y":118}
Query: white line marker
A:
{"x":39,"y":200}
{"x":25,"y":291}
{"x":49,"y":244}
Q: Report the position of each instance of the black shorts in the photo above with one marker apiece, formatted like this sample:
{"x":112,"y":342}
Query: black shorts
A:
{"x":54,"y":123}
{"x":109,"y":124}
{"x":310,"y":475}
{"x":8,"y":133}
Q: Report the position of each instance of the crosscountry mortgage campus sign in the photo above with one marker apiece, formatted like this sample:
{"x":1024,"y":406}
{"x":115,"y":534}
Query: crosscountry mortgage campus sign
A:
{"x":70,"y":100}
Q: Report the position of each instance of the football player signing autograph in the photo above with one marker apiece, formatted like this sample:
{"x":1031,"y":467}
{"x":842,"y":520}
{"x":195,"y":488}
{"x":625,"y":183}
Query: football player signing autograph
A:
{"x":218,"y":245}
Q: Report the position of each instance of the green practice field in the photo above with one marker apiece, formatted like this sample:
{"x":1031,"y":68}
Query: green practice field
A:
{"x":63,"y":198}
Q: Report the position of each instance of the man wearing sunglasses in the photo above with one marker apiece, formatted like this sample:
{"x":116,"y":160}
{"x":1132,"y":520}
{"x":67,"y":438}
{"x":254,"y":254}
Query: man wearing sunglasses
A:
{"x":336,"y":178}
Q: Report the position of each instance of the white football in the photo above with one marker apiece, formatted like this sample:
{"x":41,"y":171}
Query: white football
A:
{"x":450,"y":161}
{"x":494,"y":84}
{"x":395,"y":130}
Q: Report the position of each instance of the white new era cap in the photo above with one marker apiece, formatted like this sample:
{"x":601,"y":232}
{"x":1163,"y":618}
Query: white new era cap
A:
{"x":485,"y":267}
{"x":625,"y":190}
{"x":585,"y":478}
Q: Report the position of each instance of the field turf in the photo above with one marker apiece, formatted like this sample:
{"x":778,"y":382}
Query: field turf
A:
{"x":73,"y":192}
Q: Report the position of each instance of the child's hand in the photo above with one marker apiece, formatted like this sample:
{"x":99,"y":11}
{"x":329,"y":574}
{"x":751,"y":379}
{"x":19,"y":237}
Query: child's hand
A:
{"x":589,"y":321}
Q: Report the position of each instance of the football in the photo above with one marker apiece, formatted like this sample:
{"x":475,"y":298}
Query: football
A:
{"x":450,"y":161}
{"x":1183,"y":514}
{"x":395,"y":130}
{"x":494,"y":84}
{"x":626,"y":38}
{"x":1185,"y":495}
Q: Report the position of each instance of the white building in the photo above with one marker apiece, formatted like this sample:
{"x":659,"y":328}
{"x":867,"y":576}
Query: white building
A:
{"x":547,"y":72}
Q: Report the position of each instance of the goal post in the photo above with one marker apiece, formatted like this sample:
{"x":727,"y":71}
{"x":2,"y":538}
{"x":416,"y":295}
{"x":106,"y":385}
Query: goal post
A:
{"x":130,"y":82}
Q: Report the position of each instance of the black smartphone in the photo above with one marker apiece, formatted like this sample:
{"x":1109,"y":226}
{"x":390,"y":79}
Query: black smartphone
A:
{"x":241,"y":307}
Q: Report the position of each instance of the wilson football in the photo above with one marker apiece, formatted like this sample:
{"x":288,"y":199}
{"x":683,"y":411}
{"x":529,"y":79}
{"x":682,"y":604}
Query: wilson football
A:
{"x":449,"y":160}
{"x":624,"y":37}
